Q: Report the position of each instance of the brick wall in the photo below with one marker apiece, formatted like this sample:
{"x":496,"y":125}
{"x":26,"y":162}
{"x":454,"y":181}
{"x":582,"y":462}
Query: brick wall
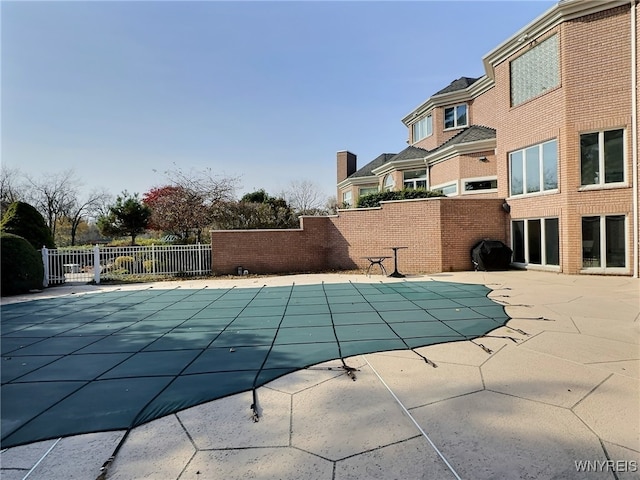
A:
{"x":593,"y":95}
{"x":271,"y":251}
{"x":439,"y":233}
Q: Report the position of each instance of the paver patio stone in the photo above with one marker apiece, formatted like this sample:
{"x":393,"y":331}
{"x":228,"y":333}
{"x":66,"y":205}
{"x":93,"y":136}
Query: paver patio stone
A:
{"x":611,"y":410}
{"x":306,"y":378}
{"x":24,"y":456}
{"x":323,"y":414}
{"x":598,"y":306}
{"x":528,"y":374}
{"x":87,"y":451}
{"x":157,"y":450}
{"x":463,"y":353}
{"x":622,"y":331}
{"x":582,"y":348}
{"x":258,"y":464}
{"x":488,"y":435}
{"x":229,"y":423}
{"x":627,"y":368}
{"x":417,"y":383}
{"x":413,"y":459}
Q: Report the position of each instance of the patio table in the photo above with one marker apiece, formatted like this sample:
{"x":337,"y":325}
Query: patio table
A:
{"x":376,"y":260}
{"x":396,"y":273}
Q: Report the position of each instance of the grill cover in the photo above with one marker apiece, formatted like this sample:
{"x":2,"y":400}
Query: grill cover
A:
{"x":491,"y":255}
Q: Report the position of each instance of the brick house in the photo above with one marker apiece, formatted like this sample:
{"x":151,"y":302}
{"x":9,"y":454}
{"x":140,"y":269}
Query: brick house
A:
{"x":551,"y":129}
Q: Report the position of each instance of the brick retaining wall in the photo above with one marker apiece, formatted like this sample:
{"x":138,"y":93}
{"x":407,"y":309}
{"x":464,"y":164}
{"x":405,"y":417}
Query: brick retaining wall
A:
{"x":438,"y":231}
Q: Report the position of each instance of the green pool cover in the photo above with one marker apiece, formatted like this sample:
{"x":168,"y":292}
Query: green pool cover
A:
{"x":115,"y":360}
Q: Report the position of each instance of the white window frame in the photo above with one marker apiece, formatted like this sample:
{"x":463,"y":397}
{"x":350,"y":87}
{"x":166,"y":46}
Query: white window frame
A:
{"x":389,"y":183}
{"x":603,"y":247}
{"x":542,"y":190}
{"x":543,"y":244}
{"x":445,"y":185}
{"x":360,"y":194}
{"x":424,"y":125}
{"x":464,"y":182}
{"x":601,"y":177}
{"x":455,"y":116}
{"x":413,"y":181}
{"x":347,"y":198}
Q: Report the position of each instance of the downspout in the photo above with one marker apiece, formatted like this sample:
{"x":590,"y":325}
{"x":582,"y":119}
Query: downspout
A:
{"x":428,"y":173}
{"x":634,"y":129}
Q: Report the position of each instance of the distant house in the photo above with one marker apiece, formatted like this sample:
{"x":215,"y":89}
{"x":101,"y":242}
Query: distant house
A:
{"x":551,"y":128}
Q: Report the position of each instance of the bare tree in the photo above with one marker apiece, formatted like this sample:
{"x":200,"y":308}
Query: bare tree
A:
{"x":54,"y":194}
{"x":306,"y":198}
{"x":91,"y":206}
{"x":11,"y":187}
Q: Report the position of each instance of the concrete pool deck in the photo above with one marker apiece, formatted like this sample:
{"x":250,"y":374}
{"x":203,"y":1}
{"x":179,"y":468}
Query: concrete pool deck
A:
{"x":563,"y":397}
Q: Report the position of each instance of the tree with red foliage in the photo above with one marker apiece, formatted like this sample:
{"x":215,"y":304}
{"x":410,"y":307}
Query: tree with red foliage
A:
{"x":188,"y":205}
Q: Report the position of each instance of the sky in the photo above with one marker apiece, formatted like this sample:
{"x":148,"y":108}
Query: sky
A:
{"x":266,"y":92}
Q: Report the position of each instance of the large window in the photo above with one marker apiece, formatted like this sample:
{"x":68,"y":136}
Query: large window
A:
{"x":423,"y":128}
{"x":480,"y":185}
{"x":415,"y":179}
{"x":389,"y":183}
{"x":448,"y":189}
{"x":455,"y":117}
{"x":534,"y":169}
{"x":604,"y":242}
{"x":536,"y":241}
{"x":602,"y":157}
{"x":535,"y":71}
{"x":367,"y":191}
{"x":347,"y":199}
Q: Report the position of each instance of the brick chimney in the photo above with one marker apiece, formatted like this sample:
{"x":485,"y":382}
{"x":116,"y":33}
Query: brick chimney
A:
{"x":346,"y":164}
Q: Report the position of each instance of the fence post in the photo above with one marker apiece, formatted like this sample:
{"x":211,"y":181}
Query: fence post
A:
{"x":153,"y":258}
{"x":45,"y":263}
{"x":96,"y":264}
{"x":200,"y":258}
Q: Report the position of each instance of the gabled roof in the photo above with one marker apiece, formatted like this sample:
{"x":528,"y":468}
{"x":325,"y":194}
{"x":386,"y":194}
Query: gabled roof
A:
{"x":410,"y":153}
{"x":470,"y":134}
{"x":366,"y":171}
{"x":459,"y":84}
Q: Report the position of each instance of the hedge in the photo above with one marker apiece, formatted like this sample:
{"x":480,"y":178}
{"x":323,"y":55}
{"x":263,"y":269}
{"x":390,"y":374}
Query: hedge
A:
{"x":374,"y":199}
{"x":22,"y":268}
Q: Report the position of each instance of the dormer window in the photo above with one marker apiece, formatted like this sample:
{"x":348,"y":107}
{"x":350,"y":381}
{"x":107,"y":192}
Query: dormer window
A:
{"x":455,"y":117}
{"x":423,"y":128}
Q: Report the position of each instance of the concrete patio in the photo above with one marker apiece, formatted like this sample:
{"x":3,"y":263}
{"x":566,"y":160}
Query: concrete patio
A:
{"x":564,"y":396}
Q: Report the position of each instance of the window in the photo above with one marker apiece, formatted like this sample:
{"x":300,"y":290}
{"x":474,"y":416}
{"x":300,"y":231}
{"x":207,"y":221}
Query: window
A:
{"x":455,"y":117}
{"x":534,"y":169}
{"x":415,"y":179}
{"x":535,"y":72}
{"x":347,"y":199}
{"x":480,"y":185}
{"x":389,"y":183}
{"x":604,"y":242}
{"x":367,"y":191}
{"x":449,"y":190}
{"x":602,"y":152}
{"x":536,"y":241}
{"x":423,"y":128}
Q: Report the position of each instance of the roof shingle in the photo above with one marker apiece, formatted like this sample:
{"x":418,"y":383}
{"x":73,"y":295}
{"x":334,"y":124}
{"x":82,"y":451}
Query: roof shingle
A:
{"x":459,"y":84}
{"x":470,"y":134}
{"x":366,"y":171}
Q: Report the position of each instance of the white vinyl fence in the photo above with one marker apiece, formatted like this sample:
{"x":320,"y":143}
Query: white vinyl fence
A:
{"x":85,"y":265}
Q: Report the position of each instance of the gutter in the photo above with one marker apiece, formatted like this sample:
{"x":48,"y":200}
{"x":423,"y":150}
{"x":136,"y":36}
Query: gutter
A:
{"x":634,"y":129}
